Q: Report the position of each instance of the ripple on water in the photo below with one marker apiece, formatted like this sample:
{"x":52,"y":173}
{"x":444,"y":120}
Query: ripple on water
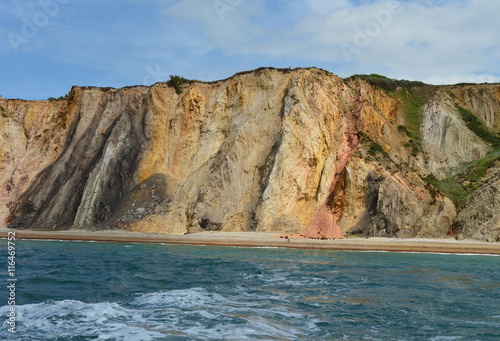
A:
{"x":106,"y":291}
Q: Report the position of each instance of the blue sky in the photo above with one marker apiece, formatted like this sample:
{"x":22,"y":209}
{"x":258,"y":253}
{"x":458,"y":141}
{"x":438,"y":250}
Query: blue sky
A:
{"x":49,"y":45}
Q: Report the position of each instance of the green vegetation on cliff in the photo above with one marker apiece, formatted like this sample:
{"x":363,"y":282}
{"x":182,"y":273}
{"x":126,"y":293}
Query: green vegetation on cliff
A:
{"x":476,"y":171}
{"x":62,"y":98}
{"x":413,"y":95}
{"x":474,"y":124}
{"x":412,"y":100}
{"x":449,"y":187}
{"x":465,"y":182}
{"x":3,"y":112}
{"x":373,"y":147}
{"x":388,"y":84}
{"x":176,"y":83}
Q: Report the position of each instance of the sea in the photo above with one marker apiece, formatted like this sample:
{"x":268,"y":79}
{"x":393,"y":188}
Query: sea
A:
{"x":128,"y":292}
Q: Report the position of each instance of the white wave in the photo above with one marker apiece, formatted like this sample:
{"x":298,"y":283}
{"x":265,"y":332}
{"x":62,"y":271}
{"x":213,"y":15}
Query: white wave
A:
{"x":212,"y":315}
{"x":179,"y":298}
{"x":107,"y":321}
{"x":280,"y":278}
{"x":195,"y":313}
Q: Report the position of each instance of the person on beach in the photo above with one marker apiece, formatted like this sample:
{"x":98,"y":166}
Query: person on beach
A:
{"x":287,"y":240}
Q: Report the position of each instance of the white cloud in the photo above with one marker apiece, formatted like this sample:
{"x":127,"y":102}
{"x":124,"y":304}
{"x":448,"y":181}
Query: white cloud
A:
{"x":452,"y":38}
{"x":227,"y":24}
{"x":321,"y":7}
{"x":436,"y":41}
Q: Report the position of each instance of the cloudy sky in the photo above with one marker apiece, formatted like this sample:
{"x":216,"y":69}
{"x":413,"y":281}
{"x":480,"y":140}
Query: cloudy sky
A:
{"x":49,"y":45}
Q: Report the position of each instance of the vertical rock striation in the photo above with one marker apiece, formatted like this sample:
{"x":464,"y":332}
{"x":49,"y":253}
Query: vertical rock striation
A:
{"x":325,"y":221}
{"x":447,"y":141}
{"x":291,"y":151}
{"x":480,"y":217}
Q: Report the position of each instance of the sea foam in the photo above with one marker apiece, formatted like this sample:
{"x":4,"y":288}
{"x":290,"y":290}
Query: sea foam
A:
{"x":194,"y":313}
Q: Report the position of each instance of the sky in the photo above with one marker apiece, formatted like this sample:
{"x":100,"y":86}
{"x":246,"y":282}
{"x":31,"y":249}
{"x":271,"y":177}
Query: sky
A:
{"x":47,"y":46}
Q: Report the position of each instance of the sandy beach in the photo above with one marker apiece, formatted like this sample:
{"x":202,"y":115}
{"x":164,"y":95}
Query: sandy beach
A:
{"x":254,"y":239}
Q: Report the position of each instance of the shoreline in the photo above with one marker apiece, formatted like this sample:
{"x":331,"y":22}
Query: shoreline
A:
{"x":265,"y":239}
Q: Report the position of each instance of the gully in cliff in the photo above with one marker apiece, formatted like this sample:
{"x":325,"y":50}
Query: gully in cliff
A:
{"x":324,"y":225}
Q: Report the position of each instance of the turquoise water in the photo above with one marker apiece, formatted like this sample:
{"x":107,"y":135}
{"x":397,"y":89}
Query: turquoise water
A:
{"x":112,"y":291}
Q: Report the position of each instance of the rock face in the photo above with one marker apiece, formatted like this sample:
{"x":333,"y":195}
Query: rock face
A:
{"x":291,"y":151}
{"x":446,"y":138}
{"x":480,"y":217}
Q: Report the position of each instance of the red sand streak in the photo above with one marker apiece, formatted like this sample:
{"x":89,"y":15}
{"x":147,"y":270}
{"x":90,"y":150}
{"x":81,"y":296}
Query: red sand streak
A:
{"x":325,"y":222}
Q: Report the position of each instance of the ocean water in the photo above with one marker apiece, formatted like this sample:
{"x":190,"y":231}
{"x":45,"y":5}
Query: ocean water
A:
{"x":112,"y":291}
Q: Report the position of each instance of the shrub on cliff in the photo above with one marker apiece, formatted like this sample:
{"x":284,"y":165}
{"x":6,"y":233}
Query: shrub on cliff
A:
{"x":62,"y":98}
{"x":449,"y":187}
{"x":388,"y":84}
{"x":373,"y":147}
{"x":176,"y":82}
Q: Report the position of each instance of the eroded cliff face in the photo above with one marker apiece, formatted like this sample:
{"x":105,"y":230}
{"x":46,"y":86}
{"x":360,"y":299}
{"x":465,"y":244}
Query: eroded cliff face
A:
{"x":289,"y":151}
{"x":447,"y":141}
{"x":480,"y":217}
{"x":32,"y":136}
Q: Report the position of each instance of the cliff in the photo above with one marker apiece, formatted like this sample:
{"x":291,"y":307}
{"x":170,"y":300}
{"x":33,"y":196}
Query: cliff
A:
{"x":291,"y":151}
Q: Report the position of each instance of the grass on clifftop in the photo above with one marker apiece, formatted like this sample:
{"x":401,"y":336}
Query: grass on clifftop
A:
{"x":388,"y":84}
{"x":62,"y":98}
